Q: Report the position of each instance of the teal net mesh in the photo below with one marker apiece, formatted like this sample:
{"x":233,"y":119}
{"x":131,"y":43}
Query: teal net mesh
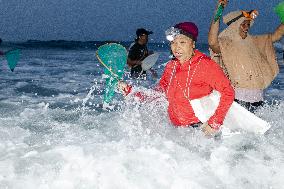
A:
{"x":114,"y":56}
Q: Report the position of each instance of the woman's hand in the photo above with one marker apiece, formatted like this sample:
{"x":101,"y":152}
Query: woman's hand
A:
{"x":208,"y":131}
{"x":124,"y":87}
{"x":223,"y":2}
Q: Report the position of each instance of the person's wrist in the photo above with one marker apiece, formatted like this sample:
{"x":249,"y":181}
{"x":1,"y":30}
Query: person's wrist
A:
{"x":215,"y":126}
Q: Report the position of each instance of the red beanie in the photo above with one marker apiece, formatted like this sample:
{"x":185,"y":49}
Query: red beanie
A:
{"x":189,"y":29}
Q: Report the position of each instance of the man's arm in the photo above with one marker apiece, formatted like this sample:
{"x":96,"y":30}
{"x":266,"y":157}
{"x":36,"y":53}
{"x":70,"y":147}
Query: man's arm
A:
{"x":132,"y":63}
{"x":214,"y":31}
{"x":278,"y":33}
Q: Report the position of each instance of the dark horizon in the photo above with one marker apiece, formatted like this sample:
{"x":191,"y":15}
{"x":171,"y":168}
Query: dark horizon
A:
{"x":73,"y":44}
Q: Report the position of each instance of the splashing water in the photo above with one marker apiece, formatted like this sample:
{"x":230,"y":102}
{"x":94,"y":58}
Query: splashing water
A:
{"x":47,"y":142}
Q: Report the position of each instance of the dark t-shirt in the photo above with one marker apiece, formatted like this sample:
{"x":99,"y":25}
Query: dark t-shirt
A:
{"x":137,"y":52}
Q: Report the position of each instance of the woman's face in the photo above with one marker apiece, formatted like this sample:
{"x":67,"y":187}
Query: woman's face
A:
{"x":182,"y":47}
{"x":244,"y":28}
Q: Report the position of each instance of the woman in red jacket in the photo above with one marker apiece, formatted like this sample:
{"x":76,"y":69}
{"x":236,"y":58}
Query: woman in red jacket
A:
{"x":191,"y":75}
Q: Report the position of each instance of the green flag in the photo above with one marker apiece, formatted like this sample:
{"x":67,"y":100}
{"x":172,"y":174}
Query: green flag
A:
{"x":12,"y":58}
{"x":279,"y":9}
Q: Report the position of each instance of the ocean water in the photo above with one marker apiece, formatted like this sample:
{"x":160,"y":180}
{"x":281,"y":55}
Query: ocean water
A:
{"x":54,"y":133}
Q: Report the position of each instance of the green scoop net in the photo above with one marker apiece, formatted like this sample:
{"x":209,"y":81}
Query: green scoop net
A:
{"x":113,"y":57}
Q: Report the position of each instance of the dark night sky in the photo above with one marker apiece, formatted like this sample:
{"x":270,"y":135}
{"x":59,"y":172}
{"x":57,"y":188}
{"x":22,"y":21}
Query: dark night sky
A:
{"x":116,"y":19}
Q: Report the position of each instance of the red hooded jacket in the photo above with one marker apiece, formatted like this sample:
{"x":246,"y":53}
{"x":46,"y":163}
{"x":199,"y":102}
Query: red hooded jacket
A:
{"x":191,"y":80}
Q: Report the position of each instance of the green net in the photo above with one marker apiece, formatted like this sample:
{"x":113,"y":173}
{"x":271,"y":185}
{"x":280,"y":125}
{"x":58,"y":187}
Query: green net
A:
{"x":113,"y":56}
{"x":12,"y":58}
{"x":279,"y":10}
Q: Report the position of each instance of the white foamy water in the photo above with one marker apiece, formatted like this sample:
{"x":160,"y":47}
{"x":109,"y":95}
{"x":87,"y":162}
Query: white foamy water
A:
{"x":54,"y":134}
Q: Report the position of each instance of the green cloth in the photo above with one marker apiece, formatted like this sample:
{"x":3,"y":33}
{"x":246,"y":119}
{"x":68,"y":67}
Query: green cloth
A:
{"x":279,"y":10}
{"x":113,"y":56}
{"x":219,"y":12}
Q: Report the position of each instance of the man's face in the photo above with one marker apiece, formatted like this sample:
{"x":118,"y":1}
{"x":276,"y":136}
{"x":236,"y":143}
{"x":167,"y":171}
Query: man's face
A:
{"x":143,"y":38}
{"x":244,"y":28}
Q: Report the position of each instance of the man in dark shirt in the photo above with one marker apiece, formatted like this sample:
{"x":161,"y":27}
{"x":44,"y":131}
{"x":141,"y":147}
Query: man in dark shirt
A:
{"x":138,"y":52}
